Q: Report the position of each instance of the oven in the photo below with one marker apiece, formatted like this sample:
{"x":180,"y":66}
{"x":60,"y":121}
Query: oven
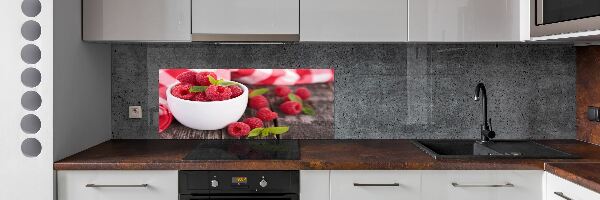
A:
{"x":554,"y":17}
{"x":234,"y":185}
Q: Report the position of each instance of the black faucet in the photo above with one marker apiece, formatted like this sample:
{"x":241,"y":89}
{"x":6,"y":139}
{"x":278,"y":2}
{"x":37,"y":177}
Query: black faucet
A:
{"x":486,"y":129}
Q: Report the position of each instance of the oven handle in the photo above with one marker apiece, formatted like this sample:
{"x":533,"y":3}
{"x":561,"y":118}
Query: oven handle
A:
{"x":194,"y":197}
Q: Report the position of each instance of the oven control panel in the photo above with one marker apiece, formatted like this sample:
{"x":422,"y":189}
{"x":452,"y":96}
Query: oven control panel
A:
{"x":226,"y":182}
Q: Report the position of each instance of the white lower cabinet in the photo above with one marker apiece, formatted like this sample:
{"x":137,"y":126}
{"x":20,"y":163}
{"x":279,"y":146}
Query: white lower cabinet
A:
{"x":482,"y":185}
{"x":560,"y":189}
{"x":117,"y":185}
{"x":314,"y":185}
{"x":375,"y":185}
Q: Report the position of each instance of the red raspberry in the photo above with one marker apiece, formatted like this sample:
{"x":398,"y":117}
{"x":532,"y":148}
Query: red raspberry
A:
{"x":258,"y":102}
{"x":187,"y":77}
{"x":202,"y":78}
{"x":238,"y":129}
{"x":266,"y":114}
{"x":291,"y":107}
{"x":218,"y":93}
{"x":235,"y":91}
{"x":303,"y":93}
{"x":200,"y":96}
{"x":182,"y":91}
{"x":282,"y":91}
{"x":254,"y":122}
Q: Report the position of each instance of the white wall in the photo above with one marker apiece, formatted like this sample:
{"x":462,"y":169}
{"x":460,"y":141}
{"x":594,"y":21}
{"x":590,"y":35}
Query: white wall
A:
{"x":82,"y":98}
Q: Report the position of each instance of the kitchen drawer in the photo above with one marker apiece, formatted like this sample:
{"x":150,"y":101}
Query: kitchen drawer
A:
{"x":482,"y":185}
{"x":112,"y":185}
{"x":560,"y":189}
{"x":374,"y":184}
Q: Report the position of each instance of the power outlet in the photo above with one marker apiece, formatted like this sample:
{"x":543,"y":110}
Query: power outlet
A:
{"x":135,"y":112}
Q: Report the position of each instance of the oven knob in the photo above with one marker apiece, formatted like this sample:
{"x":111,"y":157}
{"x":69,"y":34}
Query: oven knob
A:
{"x":214,"y":183}
{"x":263,"y":183}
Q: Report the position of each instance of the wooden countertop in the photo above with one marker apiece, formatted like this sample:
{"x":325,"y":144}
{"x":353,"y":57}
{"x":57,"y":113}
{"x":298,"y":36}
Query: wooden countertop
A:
{"x":314,"y":154}
{"x":584,"y":174}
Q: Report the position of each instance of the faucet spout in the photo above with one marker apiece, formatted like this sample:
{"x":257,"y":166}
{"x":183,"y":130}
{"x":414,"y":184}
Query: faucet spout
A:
{"x":486,"y":132}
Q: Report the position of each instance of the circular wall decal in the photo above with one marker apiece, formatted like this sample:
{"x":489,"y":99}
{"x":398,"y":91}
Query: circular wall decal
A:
{"x":31,"y":54}
{"x":31,"y":147}
{"x":31,"y":124}
{"x":31,"y":30}
{"x":31,"y":77}
{"x":31,"y":8}
{"x":31,"y":100}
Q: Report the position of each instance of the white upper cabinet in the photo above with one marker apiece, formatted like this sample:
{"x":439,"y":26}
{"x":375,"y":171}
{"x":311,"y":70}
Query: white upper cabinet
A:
{"x":136,"y":20}
{"x":353,"y":20}
{"x":468,"y":20}
{"x":245,"y":20}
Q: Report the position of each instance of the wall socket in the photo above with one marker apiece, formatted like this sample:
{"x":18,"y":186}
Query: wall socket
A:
{"x":135,"y":112}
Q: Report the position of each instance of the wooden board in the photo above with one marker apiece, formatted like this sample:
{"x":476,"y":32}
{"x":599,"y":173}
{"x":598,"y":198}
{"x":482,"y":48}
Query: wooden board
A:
{"x":588,"y":92}
{"x":318,"y":126}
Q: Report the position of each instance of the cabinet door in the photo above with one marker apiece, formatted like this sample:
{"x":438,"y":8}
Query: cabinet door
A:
{"x":117,"y":185}
{"x":231,"y":17}
{"x":468,"y":20}
{"x":482,"y":185}
{"x":314,"y":185}
{"x":136,"y":20}
{"x":353,"y":20}
{"x":375,"y":184}
{"x":560,"y":189}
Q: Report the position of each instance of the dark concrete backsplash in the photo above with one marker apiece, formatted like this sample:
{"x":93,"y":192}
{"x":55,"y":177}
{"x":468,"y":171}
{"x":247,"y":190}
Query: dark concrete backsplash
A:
{"x":382,"y":90}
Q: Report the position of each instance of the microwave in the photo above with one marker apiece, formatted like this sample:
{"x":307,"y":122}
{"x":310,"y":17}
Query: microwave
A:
{"x":556,"y":17}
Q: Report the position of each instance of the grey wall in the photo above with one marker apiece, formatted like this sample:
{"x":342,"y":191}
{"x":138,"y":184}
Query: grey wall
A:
{"x":382,"y":90}
{"x":82,"y":81}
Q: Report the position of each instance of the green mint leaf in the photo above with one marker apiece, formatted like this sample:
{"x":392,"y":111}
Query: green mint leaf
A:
{"x":265,"y":132}
{"x":196,"y":89}
{"x":306,"y":109}
{"x":279,"y":130}
{"x":294,"y":98}
{"x":227,"y":83}
{"x":212,"y":80}
{"x":255,"y":132}
{"x":257,"y":92}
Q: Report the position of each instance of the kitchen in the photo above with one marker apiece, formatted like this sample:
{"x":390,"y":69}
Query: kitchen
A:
{"x":400,"y":113}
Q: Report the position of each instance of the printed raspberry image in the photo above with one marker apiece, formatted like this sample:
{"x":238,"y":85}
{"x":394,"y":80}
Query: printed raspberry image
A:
{"x":258,"y":102}
{"x":187,"y":77}
{"x":282,"y":91}
{"x":254,"y":122}
{"x":238,"y":129}
{"x":182,"y":91}
{"x":202,"y":78}
{"x":218,"y":93}
{"x":290,"y":107}
{"x":236,"y":91}
{"x":303,"y":93}
{"x":266,"y":114}
{"x":200,"y":96}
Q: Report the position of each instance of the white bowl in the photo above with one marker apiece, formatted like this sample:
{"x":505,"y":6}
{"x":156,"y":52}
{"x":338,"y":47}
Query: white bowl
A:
{"x":211,"y":115}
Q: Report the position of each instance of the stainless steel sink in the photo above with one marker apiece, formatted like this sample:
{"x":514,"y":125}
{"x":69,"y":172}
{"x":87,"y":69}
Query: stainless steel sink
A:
{"x":471,"y":149}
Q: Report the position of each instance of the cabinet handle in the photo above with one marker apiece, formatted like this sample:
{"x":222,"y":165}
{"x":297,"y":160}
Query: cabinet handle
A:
{"x":115,"y":186}
{"x":560,"y":194}
{"x":498,"y":185}
{"x":376,"y":184}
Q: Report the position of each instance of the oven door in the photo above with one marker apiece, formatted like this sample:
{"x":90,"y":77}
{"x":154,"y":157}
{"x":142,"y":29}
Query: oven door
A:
{"x":553,"y":17}
{"x":244,"y":197}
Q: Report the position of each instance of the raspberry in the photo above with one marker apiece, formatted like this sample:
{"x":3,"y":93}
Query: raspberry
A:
{"x":254,"y":122}
{"x":218,"y":93}
{"x":202,"y":78}
{"x":235,"y":91}
{"x":238,"y":129}
{"x":182,"y":91}
{"x":291,"y":107}
{"x":303,"y":93}
{"x":200,"y":96}
{"x":187,"y":77}
{"x":258,"y":102}
{"x":266,"y":114}
{"x":282,"y":91}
